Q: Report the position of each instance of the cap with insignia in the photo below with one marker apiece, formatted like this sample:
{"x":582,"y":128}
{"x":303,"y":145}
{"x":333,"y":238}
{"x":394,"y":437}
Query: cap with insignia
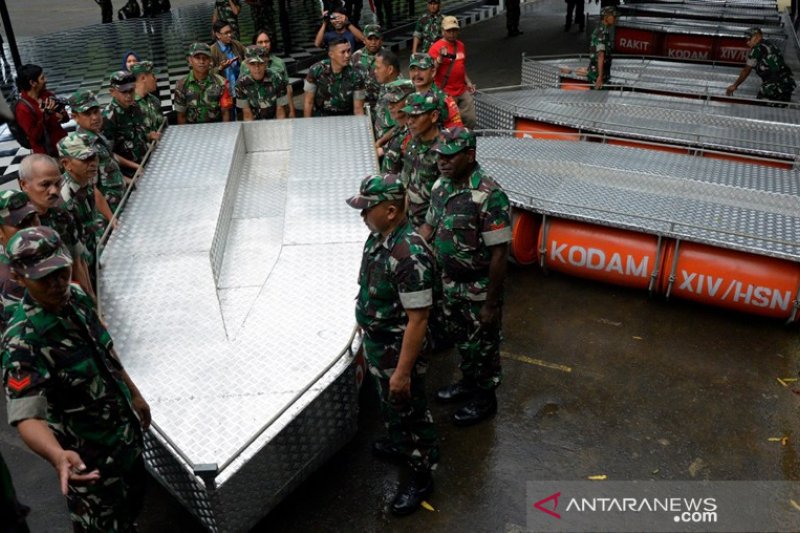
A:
{"x":82,"y":101}
{"x":14,"y":207}
{"x":373,"y":30}
{"x":199,"y":48}
{"x":142,"y":67}
{"x":417,"y":103}
{"x":397,"y":91}
{"x":122,"y":80}
{"x":255,"y":54}
{"x":75,"y":145}
{"x":423,"y":61}
{"x":35,"y":252}
{"x":454,"y":140}
{"x":376,"y":189}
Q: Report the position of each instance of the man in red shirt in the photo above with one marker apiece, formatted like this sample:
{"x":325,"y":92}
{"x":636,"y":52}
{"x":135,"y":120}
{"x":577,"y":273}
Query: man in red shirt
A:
{"x":38,"y":113}
{"x":451,"y":70}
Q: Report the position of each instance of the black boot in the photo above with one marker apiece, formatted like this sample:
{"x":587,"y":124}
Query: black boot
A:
{"x":413,"y":493}
{"x":385,"y":450}
{"x":461,"y":390}
{"x":483,"y":406}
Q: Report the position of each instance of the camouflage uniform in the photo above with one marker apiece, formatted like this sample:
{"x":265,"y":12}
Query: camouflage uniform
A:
{"x":396,"y":273}
{"x":382,"y":119}
{"x":14,"y":211}
{"x":64,"y":223}
{"x":262,"y":97}
{"x":365,"y":62}
{"x":149,"y":103}
{"x":601,"y":42}
{"x":110,"y":180}
{"x":126,"y":129}
{"x":225,"y":13}
{"x":777,"y":82}
{"x":428,"y":30}
{"x":449,"y":116}
{"x":61,"y":367}
{"x":334,"y":93}
{"x":201,"y":100}
{"x":467,"y":220}
{"x":420,"y":168}
{"x":80,"y":202}
{"x":393,"y":93}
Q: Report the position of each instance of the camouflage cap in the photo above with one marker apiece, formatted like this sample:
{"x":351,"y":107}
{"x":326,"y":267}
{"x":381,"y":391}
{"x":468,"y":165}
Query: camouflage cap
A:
{"x":142,"y":67}
{"x":749,"y":32}
{"x":199,"y":48}
{"x":397,"y":90}
{"x":453,"y":140}
{"x":122,"y":80}
{"x":76,"y":146}
{"x":423,"y":61}
{"x":373,"y":30}
{"x":82,"y":101}
{"x":419,"y":103}
{"x":376,"y":189}
{"x":35,"y":252}
{"x":14,"y":207}
{"x":609,"y":10}
{"x":450,"y":23}
{"x":255,"y":54}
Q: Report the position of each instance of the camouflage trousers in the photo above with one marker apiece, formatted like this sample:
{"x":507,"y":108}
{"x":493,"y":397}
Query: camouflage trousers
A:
{"x":111,"y":504}
{"x":478,"y":345}
{"x":409,"y":423}
{"x":778,"y":91}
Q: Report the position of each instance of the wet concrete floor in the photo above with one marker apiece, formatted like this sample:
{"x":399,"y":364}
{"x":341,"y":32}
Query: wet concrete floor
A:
{"x":598,"y":380}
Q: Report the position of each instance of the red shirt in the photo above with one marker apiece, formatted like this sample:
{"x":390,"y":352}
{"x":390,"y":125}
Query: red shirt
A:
{"x":457,"y":81}
{"x":33,"y":123}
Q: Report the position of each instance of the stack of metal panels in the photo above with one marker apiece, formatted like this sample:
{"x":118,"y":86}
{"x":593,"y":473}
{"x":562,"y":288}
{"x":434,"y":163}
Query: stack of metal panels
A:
{"x":695,"y":27}
{"x":703,"y":124}
{"x":731,"y":205}
{"x":709,"y":12}
{"x":643,"y":74}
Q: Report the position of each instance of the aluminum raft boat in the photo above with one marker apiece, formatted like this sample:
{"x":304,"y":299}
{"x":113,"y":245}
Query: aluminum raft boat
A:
{"x":228,"y":289}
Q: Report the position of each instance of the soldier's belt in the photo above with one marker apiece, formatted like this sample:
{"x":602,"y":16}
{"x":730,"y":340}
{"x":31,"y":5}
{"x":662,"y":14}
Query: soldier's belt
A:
{"x":466,"y":276}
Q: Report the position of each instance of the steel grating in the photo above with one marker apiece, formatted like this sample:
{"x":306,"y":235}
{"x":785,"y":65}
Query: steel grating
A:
{"x":702,"y":124}
{"x":712,"y":12}
{"x":696,"y":27}
{"x":731,"y":205}
{"x":215,"y":294}
{"x":645,"y":74}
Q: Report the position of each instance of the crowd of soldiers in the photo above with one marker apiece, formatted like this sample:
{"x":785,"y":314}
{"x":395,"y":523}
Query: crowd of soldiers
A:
{"x":431,"y":277}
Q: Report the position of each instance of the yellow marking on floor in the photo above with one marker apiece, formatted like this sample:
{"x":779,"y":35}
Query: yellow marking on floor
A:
{"x":537,"y":362}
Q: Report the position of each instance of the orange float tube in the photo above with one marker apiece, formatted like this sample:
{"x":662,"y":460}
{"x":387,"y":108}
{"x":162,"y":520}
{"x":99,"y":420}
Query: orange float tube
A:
{"x":524,"y":236}
{"x":691,"y":47}
{"x":610,"y":255}
{"x":636,"y":42}
{"x":734,"y":280}
{"x":543,"y":130}
{"x":731,"y":49}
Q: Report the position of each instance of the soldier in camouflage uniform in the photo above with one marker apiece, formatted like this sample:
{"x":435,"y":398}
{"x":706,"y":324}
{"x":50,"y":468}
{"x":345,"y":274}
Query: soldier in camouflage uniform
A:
{"x":201,"y":96}
{"x":228,"y":10}
{"x":80,"y":163}
{"x":334,"y":87}
{"x":423,"y":71}
{"x":777,"y":81}
{"x":386,"y":70}
{"x":40,"y":178}
{"x":110,"y":181}
{"x":16,"y":213}
{"x":124,"y":122}
{"x":420,"y":168}
{"x":67,"y":392}
{"x":391,"y":145}
{"x":395,"y":295}
{"x":261,"y":94}
{"x":428,"y":29}
{"x":364,"y":60}
{"x":470,"y":227}
{"x":145,"y":96}
{"x":601,"y":49}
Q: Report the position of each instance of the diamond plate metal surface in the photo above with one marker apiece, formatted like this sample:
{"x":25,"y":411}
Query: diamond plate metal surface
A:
{"x":767,"y":16}
{"x":644,"y":74}
{"x":697,"y":27}
{"x":231,"y":303}
{"x":739,"y":206}
{"x":712,"y":125}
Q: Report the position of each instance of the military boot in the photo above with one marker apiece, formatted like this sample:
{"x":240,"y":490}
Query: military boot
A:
{"x":386,"y":450}
{"x":458,"y":391}
{"x":412,"y":493}
{"x":483,"y":406}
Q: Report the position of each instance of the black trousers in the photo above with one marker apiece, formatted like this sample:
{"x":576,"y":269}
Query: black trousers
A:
{"x":512,"y":16}
{"x":576,"y":7}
